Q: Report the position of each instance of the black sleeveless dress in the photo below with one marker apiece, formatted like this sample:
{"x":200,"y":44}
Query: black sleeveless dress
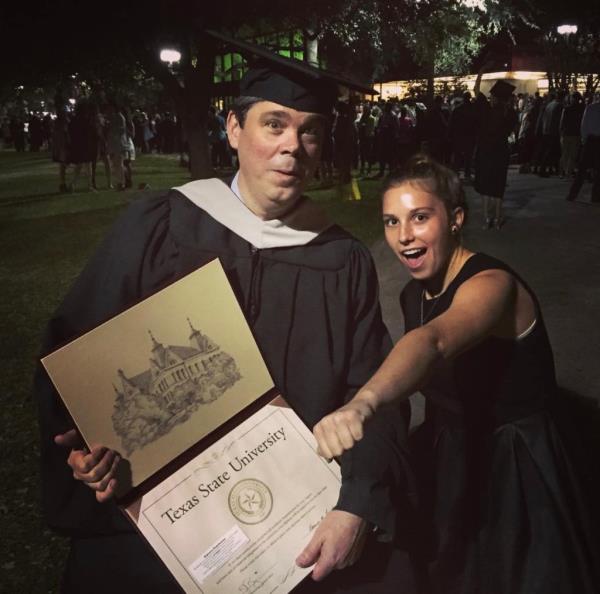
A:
{"x":500,"y":493}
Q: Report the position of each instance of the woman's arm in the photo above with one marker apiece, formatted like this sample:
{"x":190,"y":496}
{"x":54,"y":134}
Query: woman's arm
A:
{"x":483,"y":306}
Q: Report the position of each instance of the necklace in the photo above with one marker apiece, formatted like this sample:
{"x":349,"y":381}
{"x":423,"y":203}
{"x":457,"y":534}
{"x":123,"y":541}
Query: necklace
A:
{"x":435,"y":302}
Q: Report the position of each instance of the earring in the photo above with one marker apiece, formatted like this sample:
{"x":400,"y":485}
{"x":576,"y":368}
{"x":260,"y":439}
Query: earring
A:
{"x":454,"y":229}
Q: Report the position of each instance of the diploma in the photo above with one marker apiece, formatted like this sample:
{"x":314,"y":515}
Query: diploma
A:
{"x":234,"y":518}
{"x":223,"y":483}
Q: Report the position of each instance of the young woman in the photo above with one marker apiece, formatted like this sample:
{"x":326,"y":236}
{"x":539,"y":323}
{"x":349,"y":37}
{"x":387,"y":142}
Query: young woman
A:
{"x":503,"y":511}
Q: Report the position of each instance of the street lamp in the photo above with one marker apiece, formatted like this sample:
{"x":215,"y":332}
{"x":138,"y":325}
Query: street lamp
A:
{"x":566,"y":29}
{"x":170,"y":56}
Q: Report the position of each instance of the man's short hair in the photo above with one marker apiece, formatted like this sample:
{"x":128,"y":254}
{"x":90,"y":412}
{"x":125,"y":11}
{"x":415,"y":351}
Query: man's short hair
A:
{"x":241,"y":106}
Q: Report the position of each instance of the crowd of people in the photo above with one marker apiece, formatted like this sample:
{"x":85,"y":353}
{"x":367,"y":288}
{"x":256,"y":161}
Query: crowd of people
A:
{"x":80,"y":136}
{"x":556,"y":134}
{"x":478,"y":138}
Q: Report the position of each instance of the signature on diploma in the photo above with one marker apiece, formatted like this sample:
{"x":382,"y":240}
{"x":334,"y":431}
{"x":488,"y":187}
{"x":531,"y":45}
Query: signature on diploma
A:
{"x":256,"y":581}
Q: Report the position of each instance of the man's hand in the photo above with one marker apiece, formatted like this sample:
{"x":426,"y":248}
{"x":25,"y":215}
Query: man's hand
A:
{"x":337,"y":542}
{"x":341,"y":429}
{"x":95,"y":467}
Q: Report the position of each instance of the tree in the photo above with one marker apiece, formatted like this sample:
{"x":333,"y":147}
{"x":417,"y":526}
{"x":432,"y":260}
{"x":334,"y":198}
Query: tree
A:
{"x":428,"y":37}
{"x":573,"y":56}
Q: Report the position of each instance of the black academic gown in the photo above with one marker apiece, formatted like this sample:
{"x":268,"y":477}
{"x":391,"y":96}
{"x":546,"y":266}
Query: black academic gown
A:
{"x":315,"y":314}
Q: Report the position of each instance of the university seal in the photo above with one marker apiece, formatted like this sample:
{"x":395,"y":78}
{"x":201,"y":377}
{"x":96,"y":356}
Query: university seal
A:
{"x":250,"y":501}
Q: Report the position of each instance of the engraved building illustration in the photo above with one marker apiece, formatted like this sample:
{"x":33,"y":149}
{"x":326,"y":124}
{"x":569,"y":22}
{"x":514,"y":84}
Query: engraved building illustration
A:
{"x":178,"y":381}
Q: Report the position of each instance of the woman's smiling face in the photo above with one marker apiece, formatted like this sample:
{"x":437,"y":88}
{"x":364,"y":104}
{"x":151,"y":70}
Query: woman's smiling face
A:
{"x":418,"y":228}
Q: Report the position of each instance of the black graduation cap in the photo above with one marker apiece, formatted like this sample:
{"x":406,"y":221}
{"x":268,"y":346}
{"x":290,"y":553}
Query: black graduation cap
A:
{"x":286,"y":81}
{"x":502,"y":89}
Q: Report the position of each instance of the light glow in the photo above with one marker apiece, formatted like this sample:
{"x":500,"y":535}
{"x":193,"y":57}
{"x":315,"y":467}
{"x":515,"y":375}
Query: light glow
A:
{"x":566,"y":29}
{"x":526,"y":82}
{"x":170,"y":56}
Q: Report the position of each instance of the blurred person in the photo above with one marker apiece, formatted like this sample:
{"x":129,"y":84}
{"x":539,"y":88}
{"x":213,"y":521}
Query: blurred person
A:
{"x":101,"y":124}
{"x":36,"y":133}
{"x":436,"y":130}
{"x":462,"y":131}
{"x":590,"y":153}
{"x":492,"y":156}
{"x":117,"y":144}
{"x":539,"y":135}
{"x":142,"y":131}
{"x":217,"y":138}
{"x":17,"y":131}
{"x":5,"y":133}
{"x":344,"y":142}
{"x":526,"y":137}
{"x":83,"y":132}
{"x":168,"y":133}
{"x":47,"y":125}
{"x":406,"y":137}
{"x":227,"y":149}
{"x":325,"y":169}
{"x":154,"y":126}
{"x":61,"y":147}
{"x":366,"y":136}
{"x":550,"y":122}
{"x":386,"y":140}
{"x":570,"y":134}
{"x":129,"y":153}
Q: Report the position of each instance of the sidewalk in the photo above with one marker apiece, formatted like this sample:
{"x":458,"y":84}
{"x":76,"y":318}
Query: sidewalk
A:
{"x":555,"y":246}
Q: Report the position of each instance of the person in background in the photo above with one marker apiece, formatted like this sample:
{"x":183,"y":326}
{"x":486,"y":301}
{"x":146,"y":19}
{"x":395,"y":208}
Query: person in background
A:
{"x":101,"y":125}
{"x":526,"y":137}
{"x":217,"y":137}
{"x":129,"y":152}
{"x":436,"y":130}
{"x":590,"y":152}
{"x":498,"y":120}
{"x":117,"y":144}
{"x":344,"y":142}
{"x":550,"y":122}
{"x":17,"y":131}
{"x":47,"y":126}
{"x":462,"y":130}
{"x":36,"y":134}
{"x":386,"y":140}
{"x":366,"y":136}
{"x":61,"y":147}
{"x":570,"y":134}
{"x":83,"y":132}
{"x":325,"y":170}
{"x":406,"y":137}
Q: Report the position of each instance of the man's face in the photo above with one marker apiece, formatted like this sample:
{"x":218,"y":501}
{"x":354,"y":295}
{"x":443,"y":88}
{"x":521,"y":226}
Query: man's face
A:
{"x":279,"y":149}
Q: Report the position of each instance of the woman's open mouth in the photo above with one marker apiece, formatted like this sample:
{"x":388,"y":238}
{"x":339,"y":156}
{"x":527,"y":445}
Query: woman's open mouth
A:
{"x":413,"y":258}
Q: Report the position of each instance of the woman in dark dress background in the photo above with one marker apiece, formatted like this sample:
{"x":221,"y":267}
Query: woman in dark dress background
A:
{"x":497,"y":120}
{"x":503,"y":508}
{"x":83,"y":132}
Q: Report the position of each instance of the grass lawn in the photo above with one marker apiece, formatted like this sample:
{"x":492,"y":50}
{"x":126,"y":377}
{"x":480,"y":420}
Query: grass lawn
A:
{"x":45,"y":240}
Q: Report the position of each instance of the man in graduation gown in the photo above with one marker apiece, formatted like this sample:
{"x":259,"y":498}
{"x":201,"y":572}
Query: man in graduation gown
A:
{"x":309,"y":292}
